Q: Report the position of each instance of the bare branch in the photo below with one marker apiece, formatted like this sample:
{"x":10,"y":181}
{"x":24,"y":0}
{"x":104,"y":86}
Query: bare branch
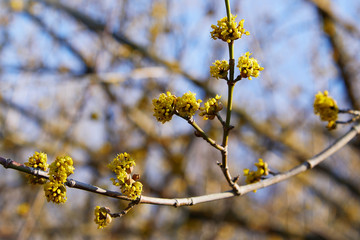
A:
{"x":178,"y":202}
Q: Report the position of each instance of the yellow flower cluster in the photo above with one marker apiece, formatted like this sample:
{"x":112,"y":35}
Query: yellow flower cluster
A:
{"x":123,"y":166}
{"x":102,"y":216}
{"x":55,"y":192}
{"x":60,"y":169}
{"x":187,"y":105}
{"x":38,"y":160}
{"x":255,"y":176}
{"x":211,"y":107}
{"x":228,"y":31}
{"x":326,"y":107}
{"x":167,"y":105}
{"x":164,"y":107}
{"x":249,"y":67}
{"x":133,"y":189}
{"x":220,"y":69}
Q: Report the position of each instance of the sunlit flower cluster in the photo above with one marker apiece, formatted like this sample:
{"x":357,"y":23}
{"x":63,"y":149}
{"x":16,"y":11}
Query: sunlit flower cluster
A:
{"x":167,"y":105}
{"x":228,"y":31}
{"x":55,"y":192}
{"x":326,"y":107}
{"x":39,"y":161}
{"x":132,"y":188}
{"x":249,"y":67}
{"x":187,"y":105}
{"x":123,"y":166}
{"x":60,"y":169}
{"x":102,"y":216}
{"x":255,"y":176}
{"x":211,"y":107}
{"x":164,"y":107}
{"x":220,"y":69}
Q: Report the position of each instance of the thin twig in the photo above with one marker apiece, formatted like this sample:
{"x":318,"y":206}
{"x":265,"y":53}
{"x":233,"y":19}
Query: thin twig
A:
{"x":125,"y":211}
{"x":220,"y":119}
{"x":202,"y":134}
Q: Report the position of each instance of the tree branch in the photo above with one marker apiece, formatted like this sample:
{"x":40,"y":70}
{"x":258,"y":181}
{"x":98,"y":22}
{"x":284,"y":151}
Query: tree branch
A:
{"x":178,"y":202}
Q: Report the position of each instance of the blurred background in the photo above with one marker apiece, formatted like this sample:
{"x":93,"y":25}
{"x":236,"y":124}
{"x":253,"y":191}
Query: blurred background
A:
{"x":78,"y":77}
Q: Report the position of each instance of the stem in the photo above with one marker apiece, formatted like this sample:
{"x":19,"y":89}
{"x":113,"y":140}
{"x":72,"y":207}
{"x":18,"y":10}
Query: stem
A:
{"x":125,"y":211}
{"x":228,"y":11}
{"x":202,"y":134}
{"x":227,"y":127}
{"x":220,"y":119}
{"x":350,"y":111}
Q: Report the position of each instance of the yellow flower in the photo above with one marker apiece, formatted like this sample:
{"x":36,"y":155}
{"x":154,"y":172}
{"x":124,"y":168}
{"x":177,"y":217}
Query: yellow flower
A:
{"x":249,"y":67}
{"x":132,"y":190}
{"x":251,"y":176}
{"x":326,"y":107}
{"x":39,"y":161}
{"x":164,"y":107}
{"x":187,"y":105}
{"x":211,"y":107}
{"x":102,"y":216}
{"x":122,"y":166}
{"x":55,"y":192}
{"x":220,"y":69}
{"x":228,"y":31}
{"x":60,"y":169}
{"x":262,"y":168}
{"x":255,"y":176}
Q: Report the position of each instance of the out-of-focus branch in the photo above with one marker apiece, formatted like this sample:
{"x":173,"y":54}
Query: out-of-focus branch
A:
{"x":340,"y":54}
{"x":99,"y":27}
{"x":177,"y":202}
{"x":325,"y":7}
{"x":87,"y":67}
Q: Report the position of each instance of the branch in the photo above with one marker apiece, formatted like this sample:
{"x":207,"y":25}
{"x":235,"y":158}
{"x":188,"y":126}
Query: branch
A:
{"x":99,"y":27}
{"x":199,"y":132}
{"x":178,"y":202}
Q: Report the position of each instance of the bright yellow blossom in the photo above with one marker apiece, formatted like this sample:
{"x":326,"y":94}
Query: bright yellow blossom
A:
{"x":220,"y":69}
{"x":102,"y":216}
{"x":61,"y":168}
{"x":187,"y":105}
{"x":164,"y":107}
{"x":228,"y":31}
{"x":211,"y":107}
{"x":132,"y":190}
{"x":39,"y":161}
{"x":326,"y":107}
{"x":122,"y":166}
{"x":256,"y":176}
{"x":55,"y":192}
{"x":249,"y":67}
